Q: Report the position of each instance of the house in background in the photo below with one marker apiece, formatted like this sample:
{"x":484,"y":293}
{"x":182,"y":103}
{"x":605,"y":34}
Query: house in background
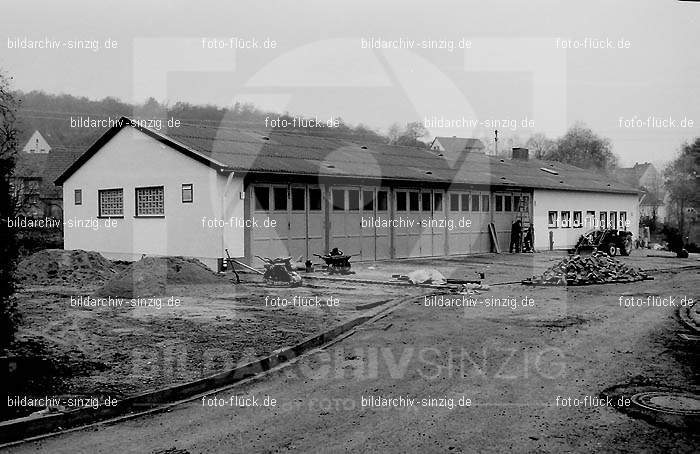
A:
{"x":452,"y":146}
{"x":36,"y":144}
{"x":196,"y":191}
{"x":649,"y":180}
{"x":37,"y":165}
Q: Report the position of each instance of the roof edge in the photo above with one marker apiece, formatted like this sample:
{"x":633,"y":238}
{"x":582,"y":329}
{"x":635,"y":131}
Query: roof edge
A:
{"x":122,"y":123}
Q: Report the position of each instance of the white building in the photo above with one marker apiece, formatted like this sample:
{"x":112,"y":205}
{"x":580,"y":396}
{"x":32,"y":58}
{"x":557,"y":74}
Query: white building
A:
{"x":198,"y":191}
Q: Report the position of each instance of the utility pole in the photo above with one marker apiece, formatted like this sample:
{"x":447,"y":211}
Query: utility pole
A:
{"x":496,"y":141}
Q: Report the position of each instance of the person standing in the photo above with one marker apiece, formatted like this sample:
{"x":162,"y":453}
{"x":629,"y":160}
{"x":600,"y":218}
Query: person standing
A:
{"x":528,"y":244}
{"x":515,"y":235}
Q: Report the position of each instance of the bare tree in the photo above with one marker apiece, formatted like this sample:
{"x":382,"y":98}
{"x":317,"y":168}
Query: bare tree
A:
{"x":540,"y":145}
{"x":683,"y":183}
{"x":8,"y":249}
{"x":408,"y":136}
{"x":394,"y":133}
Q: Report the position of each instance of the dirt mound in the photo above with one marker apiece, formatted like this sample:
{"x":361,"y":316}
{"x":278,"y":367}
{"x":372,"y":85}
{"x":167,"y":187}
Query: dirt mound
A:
{"x":151,"y":275}
{"x":598,"y":268}
{"x":58,"y":266}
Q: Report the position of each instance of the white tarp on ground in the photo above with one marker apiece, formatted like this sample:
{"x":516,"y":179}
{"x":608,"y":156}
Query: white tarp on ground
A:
{"x":426,"y":276}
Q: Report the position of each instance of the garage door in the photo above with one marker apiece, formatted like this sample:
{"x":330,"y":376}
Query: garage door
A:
{"x":459,"y":237}
{"x":420,"y":216}
{"x":345,"y":218}
{"x":298,"y":213}
{"x":376,"y":241}
{"x":407,"y":216}
{"x":507,"y":209}
{"x":270,"y":203}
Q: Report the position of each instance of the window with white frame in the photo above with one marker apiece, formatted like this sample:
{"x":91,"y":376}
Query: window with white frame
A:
{"x":465,"y":202}
{"x":565,"y":219}
{"x":485,"y":199}
{"x":578,"y":222}
{"x":187,"y":195}
{"x":111,"y":202}
{"x":437,"y":202}
{"x":382,"y":200}
{"x":150,"y":201}
{"x":623,"y":220}
{"x":475,"y":202}
{"x":298,"y":199}
{"x":454,"y":202}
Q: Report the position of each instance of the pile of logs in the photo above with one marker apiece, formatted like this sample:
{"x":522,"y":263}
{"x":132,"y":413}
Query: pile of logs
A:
{"x":598,"y":268}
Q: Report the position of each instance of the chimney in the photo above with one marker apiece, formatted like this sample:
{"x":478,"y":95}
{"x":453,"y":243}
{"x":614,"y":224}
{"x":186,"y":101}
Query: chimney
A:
{"x":521,"y":153}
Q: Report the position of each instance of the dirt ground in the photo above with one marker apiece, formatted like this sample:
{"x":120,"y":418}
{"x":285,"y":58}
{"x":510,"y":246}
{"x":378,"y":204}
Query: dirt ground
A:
{"x":513,"y":361}
{"x":64,"y":349}
{"x":513,"y":364}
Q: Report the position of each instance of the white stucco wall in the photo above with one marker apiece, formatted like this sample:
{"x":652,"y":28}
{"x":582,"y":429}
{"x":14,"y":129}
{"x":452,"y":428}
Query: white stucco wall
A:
{"x":553,"y":200}
{"x":233,"y":209}
{"x":133,"y":159}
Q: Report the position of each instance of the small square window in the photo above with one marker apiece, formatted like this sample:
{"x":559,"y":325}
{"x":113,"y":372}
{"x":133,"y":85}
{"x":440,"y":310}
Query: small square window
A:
{"x":78,"y":195}
{"x":382,"y":200}
{"x":315,"y":199}
{"x":150,"y":201}
{"x":298,"y":199}
{"x":553,"y":219}
{"x":111,"y":202}
{"x":623,"y":221}
{"x":578,"y":218}
{"x":279,"y":197}
{"x":338,"y":200}
{"x":187,"y":195}
{"x":368,"y":200}
{"x":262,"y":198}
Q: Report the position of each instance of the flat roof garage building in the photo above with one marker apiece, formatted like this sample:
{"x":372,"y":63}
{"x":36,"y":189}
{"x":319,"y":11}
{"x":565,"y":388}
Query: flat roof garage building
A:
{"x":197,"y":191}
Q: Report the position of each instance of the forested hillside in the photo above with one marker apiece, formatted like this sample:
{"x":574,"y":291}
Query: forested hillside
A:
{"x":52,"y":114}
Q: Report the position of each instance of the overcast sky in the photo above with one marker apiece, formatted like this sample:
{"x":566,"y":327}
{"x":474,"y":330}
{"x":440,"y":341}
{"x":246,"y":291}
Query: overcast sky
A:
{"x":515,"y":68}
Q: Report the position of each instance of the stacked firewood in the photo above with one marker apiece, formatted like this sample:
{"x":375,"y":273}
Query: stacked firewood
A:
{"x":598,"y":268}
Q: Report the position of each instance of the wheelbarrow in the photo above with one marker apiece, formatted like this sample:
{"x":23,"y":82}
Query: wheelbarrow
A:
{"x":337,"y":262}
{"x":280,"y":272}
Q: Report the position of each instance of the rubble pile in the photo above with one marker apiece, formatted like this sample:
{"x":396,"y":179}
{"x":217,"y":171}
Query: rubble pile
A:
{"x":60,"y":267}
{"x":598,"y":268}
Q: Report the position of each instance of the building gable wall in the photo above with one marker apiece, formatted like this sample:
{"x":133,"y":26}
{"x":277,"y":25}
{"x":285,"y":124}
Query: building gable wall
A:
{"x":130,"y":160}
{"x":571,"y":201}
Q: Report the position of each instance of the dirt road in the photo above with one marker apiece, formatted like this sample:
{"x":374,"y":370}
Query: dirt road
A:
{"x":515,"y":365}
